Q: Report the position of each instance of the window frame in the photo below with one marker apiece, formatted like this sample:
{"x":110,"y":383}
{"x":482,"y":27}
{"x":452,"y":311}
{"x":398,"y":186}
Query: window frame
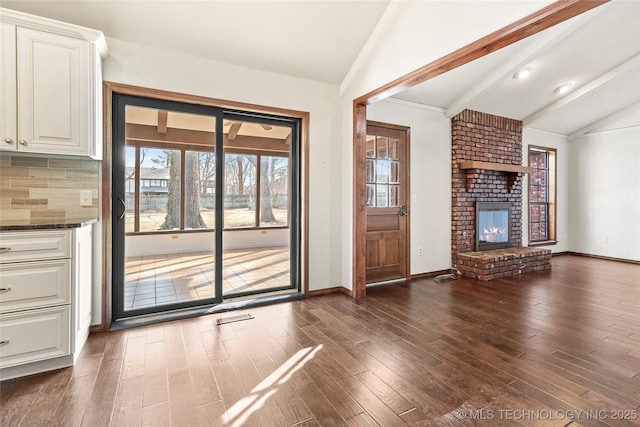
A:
{"x":551,"y":187}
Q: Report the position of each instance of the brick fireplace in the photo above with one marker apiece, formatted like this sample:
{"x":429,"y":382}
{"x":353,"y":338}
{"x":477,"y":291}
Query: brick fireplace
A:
{"x":487,"y":168}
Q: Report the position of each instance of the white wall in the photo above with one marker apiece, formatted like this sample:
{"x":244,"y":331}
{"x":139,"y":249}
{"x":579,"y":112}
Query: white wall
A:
{"x":413,"y":34}
{"x":605,"y":194}
{"x":559,"y":142}
{"x":430,"y":201}
{"x":139,"y":65}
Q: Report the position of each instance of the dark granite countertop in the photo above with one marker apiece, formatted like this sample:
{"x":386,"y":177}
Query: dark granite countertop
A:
{"x":72,"y":223}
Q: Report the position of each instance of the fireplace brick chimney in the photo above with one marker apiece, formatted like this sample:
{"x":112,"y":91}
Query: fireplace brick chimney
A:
{"x":483,"y":137}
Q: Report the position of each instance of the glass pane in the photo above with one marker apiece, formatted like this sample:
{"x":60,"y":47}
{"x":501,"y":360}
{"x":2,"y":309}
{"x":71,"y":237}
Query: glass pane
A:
{"x":240,"y":190}
{"x":257,"y":194}
{"x":130,"y":189}
{"x":159,"y":189}
{"x":393,"y":196}
{"x":383,"y":171}
{"x":382,"y":196}
{"x":382,"y":147}
{"x":393,"y":148}
{"x":274,"y":189}
{"x":395,"y":172}
{"x":371,"y":195}
{"x":371,"y":171}
{"x":199,"y":203}
{"x":371,"y":146}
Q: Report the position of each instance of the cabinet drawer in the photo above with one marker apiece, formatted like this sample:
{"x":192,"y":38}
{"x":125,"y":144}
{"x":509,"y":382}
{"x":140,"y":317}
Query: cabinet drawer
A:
{"x":31,"y":246}
{"x":34,"y":284}
{"x":29,"y":336}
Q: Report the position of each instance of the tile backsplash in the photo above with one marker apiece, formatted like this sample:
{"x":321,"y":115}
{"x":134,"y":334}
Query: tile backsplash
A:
{"x":41,"y":190}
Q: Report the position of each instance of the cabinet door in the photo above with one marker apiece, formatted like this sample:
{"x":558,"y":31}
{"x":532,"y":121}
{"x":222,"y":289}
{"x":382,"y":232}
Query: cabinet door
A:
{"x":53,"y":93}
{"x":35,"y":284}
{"x":83,"y":286}
{"x":8,"y":87}
{"x":28,"y":336}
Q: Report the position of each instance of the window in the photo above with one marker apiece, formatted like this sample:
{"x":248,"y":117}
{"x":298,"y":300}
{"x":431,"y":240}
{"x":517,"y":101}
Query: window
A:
{"x":542,"y":195}
{"x":172,"y":190}
{"x":250,"y":175}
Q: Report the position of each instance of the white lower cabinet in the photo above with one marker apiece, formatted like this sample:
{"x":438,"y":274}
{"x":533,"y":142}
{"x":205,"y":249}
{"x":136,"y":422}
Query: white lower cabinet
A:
{"x":45,"y":298}
{"x":28,"y":336}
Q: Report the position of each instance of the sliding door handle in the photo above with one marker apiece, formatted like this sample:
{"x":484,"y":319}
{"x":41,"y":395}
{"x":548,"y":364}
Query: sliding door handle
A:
{"x":124,"y":208}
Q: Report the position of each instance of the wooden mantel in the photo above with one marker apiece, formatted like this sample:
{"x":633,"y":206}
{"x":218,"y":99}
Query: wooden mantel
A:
{"x":473,"y":164}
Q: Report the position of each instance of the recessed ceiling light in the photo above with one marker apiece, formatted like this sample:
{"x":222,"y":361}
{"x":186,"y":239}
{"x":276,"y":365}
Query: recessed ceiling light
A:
{"x":522,"y":74}
{"x":563,"y":88}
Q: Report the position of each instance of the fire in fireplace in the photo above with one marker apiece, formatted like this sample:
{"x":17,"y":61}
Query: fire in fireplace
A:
{"x":493,"y":225}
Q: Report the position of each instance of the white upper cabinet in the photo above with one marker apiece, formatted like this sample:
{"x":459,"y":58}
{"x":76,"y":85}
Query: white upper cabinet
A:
{"x":8,"y":116}
{"x":51,"y":86}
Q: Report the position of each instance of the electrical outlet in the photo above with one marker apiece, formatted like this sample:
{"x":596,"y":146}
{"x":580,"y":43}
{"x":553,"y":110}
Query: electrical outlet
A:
{"x":85,"y":198}
{"x":419,"y":250}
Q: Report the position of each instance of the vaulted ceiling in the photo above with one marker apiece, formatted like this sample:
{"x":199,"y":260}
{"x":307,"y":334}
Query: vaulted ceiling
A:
{"x":598,"y":52}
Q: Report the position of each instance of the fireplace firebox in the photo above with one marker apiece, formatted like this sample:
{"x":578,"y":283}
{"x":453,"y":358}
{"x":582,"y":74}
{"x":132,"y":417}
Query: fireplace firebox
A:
{"x":493,"y":225}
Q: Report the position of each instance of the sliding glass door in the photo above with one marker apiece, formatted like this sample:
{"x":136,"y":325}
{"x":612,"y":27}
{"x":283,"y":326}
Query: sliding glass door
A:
{"x":260,"y":213}
{"x":205,"y":205}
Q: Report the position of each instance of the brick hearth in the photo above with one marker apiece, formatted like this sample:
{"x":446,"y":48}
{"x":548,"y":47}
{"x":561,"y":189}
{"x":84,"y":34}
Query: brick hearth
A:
{"x":497,"y":263}
{"x":479,"y":137}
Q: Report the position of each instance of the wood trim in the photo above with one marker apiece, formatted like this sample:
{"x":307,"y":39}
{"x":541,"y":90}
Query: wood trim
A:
{"x":326,"y":291}
{"x":534,"y":23}
{"x":607,"y":258}
{"x":359,"y":200}
{"x":107,"y":169}
{"x":94,"y":329}
{"x":559,"y":253}
{"x":543,"y":243}
{"x":202,"y":100}
{"x":551,"y":182}
{"x":474,"y":164}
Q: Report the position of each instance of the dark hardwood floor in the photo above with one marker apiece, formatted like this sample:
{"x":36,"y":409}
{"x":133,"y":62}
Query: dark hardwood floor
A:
{"x":551,"y":349}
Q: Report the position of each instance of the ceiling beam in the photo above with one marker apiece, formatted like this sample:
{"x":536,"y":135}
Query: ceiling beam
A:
{"x":543,"y":43}
{"x":140,"y":134}
{"x":534,"y":23}
{"x":584,"y":90}
{"x":233,"y":130}
{"x":598,"y":123}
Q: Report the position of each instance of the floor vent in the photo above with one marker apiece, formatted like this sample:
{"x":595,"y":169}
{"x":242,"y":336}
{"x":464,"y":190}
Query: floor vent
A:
{"x":446,"y":278}
{"x":223,"y":320}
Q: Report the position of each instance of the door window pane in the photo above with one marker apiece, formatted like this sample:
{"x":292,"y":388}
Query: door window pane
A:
{"x":371,"y":146}
{"x":382,"y":196}
{"x":274,"y":189}
{"x":393,"y":196}
{"x":382,"y":145}
{"x":207,"y":185}
{"x":159,"y":205}
{"x":130,"y":189}
{"x":393,"y":148}
{"x":383,"y":171}
{"x":240,"y":191}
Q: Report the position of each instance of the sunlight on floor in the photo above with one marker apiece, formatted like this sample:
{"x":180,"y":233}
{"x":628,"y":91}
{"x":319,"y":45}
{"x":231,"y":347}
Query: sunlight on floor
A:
{"x":170,"y":278}
{"x":238,"y":414}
